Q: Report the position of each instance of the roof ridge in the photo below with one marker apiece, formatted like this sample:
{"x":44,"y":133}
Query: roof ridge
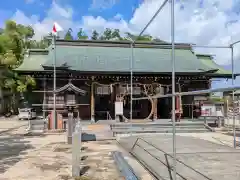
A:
{"x":37,"y":51}
{"x":205,"y":55}
{"x":124,"y":43}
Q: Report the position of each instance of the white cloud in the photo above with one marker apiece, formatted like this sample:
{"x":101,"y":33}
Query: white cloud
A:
{"x":211,"y":23}
{"x":61,"y":14}
{"x":204,"y":26}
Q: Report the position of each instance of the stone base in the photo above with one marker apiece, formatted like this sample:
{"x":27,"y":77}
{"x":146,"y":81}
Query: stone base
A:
{"x":92,"y":120}
{"x":69,"y":140}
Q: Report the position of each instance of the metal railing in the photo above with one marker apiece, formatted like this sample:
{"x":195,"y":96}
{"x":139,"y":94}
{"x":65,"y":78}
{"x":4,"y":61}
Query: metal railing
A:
{"x":166,"y":163}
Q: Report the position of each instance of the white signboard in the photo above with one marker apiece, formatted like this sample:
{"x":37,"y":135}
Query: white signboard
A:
{"x":118,"y":108}
{"x":208,"y":110}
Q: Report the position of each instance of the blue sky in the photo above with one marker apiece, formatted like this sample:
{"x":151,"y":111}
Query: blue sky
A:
{"x":106,"y":9}
{"x":204,"y":22}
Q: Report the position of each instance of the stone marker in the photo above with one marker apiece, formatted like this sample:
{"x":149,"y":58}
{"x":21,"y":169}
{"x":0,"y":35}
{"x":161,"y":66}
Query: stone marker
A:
{"x":76,"y":149}
{"x":70,"y":127}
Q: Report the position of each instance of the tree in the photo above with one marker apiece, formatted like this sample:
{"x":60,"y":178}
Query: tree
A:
{"x":116,"y":35}
{"x":81,"y":34}
{"x":107,"y":34}
{"x":13,"y":40}
{"x":68,"y":35}
{"x":95,"y":35}
{"x":110,"y":34}
{"x":140,"y":38}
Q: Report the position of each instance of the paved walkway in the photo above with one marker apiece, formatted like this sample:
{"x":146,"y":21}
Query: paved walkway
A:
{"x":8,"y":124}
{"x":204,"y":155}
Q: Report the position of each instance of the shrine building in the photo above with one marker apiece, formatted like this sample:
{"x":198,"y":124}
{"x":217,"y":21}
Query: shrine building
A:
{"x":96,"y":74}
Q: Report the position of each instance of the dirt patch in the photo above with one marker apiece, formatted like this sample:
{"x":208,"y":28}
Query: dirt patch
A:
{"x":98,"y":162}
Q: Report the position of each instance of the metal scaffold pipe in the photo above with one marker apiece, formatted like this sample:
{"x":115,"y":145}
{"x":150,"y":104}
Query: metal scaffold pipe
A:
{"x":233,"y":88}
{"x":173,"y":90}
{"x":210,"y":46}
{"x":132,"y":46}
{"x":233,"y":99}
{"x":54,"y":83}
{"x":152,"y":19}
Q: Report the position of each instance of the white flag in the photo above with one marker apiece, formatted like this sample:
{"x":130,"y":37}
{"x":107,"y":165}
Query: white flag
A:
{"x":56,"y":28}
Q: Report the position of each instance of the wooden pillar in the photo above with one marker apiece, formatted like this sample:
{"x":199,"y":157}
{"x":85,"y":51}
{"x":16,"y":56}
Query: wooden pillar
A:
{"x":155,"y":108}
{"x":92,"y":102}
{"x":117,"y":99}
{"x":112,"y":113}
{"x":155,"y":102}
{"x":44,"y":97}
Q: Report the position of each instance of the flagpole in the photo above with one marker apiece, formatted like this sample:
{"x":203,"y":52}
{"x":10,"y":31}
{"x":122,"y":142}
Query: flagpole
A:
{"x":54,"y":83}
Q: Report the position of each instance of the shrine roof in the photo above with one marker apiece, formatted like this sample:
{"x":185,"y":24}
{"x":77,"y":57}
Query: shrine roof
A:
{"x":115,"y":57}
{"x":34,"y":59}
{"x":209,"y":61}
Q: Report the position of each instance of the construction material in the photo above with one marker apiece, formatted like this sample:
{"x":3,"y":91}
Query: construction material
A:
{"x":124,"y":168}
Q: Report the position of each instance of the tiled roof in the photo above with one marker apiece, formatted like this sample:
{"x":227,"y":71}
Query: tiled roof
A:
{"x":208,"y":60}
{"x":114,"y":57}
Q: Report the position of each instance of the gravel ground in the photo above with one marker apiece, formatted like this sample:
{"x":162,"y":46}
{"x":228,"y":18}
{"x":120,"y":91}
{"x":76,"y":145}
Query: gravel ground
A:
{"x":49,"y":157}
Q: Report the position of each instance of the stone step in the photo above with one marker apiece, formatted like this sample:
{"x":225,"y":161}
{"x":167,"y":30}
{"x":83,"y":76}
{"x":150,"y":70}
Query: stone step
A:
{"x":160,"y":131}
{"x":37,"y":127}
{"x":156,"y":127}
{"x":156,"y":124}
{"x":97,"y":136}
{"x":37,"y":122}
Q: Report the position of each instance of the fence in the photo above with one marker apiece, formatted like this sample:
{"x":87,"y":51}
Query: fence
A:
{"x":162,"y":161}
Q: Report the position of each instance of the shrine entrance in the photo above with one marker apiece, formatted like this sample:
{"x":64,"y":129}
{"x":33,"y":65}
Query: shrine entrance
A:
{"x":140,"y":108}
{"x":103,"y":107}
{"x":104,"y":103}
{"x":164,"y":108}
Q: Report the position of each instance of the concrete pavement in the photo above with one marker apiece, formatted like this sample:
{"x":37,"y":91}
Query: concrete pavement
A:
{"x":8,"y":124}
{"x":200,"y":156}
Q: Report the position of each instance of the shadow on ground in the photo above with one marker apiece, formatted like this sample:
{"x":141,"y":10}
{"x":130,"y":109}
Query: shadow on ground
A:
{"x":88,"y":137}
{"x":11,"y":149}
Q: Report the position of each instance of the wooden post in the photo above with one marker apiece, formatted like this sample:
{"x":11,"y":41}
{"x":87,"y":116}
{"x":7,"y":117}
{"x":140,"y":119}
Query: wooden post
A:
{"x":155,"y":102}
{"x":155,"y":105}
{"x":92,"y":102}
{"x":76,"y":150}
{"x":44,"y":98}
{"x":117,"y":99}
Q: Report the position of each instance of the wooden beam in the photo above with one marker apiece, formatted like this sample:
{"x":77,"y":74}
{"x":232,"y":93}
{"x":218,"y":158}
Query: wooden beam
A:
{"x":92,"y":101}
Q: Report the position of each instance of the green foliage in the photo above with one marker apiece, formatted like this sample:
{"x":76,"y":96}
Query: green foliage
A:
{"x":95,"y":35}
{"x":110,"y":34}
{"x":141,"y":38}
{"x":107,"y":34}
{"x":216,"y":99}
{"x":68,"y":35}
{"x":14,"y":38}
{"x":81,"y":34}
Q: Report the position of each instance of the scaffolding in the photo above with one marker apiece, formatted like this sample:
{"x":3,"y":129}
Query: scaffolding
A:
{"x":174,"y":94}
